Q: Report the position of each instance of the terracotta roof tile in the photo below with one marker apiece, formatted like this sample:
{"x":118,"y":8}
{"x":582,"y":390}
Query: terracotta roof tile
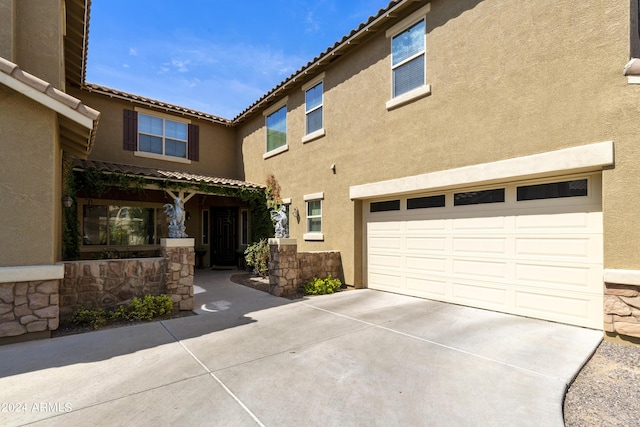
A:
{"x":160,"y":173}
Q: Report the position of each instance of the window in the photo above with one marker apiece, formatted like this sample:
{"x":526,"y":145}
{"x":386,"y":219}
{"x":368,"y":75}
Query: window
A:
{"x":553,"y":190}
{"x":117,"y":225}
{"x":478,"y":197}
{"x":408,"y":53}
{"x":162,"y":136}
{"x":390,"y":205}
{"x":313,"y":106}
{"x":244,"y":227}
{"x":314,"y":216}
{"x":426,"y":202}
{"x":409,"y":59}
{"x":277,"y":129}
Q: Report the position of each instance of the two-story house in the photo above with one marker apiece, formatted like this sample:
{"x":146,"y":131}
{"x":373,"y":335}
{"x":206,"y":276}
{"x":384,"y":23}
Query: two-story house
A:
{"x":479,"y":152}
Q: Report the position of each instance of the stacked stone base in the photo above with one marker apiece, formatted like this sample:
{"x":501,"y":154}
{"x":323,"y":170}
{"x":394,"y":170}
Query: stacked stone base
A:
{"x":289,"y":269}
{"x":28,"y":307}
{"x":622,"y":310}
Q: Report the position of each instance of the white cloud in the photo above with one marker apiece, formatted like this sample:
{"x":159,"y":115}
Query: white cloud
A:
{"x":133,"y":52}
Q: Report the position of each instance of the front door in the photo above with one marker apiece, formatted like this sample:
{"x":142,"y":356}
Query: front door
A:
{"x":224,"y":237}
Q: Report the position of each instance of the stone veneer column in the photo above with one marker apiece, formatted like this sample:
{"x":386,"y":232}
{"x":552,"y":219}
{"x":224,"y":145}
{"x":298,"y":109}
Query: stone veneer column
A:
{"x":29,"y":302}
{"x":283,"y":267}
{"x":180,"y":261}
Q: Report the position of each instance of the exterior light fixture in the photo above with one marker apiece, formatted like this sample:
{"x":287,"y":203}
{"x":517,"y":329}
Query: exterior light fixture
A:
{"x":296,"y":214}
{"x":67,"y":201}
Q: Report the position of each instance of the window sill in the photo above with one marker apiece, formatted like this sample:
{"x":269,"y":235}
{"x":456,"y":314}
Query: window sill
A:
{"x":408,"y":97}
{"x":161,"y":157}
{"x":313,"y":136}
{"x":276,"y":151}
{"x":313,"y":236}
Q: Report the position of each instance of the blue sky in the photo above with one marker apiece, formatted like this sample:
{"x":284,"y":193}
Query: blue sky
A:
{"x":213,"y":56}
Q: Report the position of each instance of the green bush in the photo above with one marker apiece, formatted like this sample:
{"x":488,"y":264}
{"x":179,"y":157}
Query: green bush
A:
{"x":257,"y":256}
{"x":147,"y":308}
{"x":89,"y":317}
{"x":322,"y":286}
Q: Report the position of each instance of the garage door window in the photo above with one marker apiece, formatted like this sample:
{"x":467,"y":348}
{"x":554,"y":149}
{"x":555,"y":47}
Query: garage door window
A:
{"x":553,"y":190}
{"x":426,"y":202}
{"x":479,"y":197}
{"x":389,"y":205}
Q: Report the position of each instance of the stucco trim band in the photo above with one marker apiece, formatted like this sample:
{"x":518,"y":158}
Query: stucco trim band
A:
{"x":569,"y":160}
{"x":31,"y":273}
{"x":622,"y":277}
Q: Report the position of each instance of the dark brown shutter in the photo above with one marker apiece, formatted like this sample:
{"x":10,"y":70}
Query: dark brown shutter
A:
{"x":130,"y":126}
{"x":194,"y":143}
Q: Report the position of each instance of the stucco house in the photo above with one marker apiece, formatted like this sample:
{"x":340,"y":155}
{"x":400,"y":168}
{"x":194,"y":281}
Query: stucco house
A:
{"x":479,"y":152}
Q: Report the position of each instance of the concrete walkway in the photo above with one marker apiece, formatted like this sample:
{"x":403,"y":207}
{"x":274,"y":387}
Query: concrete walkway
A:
{"x":354,"y":358}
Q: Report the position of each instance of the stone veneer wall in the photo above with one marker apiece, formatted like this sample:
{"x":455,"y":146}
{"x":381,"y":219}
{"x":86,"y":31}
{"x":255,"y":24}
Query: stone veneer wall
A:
{"x":109,"y":283}
{"x":27,"y":307}
{"x":622,"y":309}
{"x":289,"y":269}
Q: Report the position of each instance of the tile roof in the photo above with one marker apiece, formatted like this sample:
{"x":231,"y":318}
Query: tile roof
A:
{"x":160,"y":174}
{"x":153,"y":103}
{"x":66,"y":105}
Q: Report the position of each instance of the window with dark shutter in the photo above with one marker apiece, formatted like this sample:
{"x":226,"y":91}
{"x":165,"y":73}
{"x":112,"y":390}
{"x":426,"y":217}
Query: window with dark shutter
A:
{"x":130,"y":127}
{"x":194,"y":143}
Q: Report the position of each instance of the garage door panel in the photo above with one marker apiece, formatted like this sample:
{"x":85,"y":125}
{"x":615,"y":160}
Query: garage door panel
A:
{"x":426,"y":243}
{"x":491,"y":296}
{"x":426,"y":264}
{"x":553,"y":274}
{"x":385,"y":260}
{"x":539,"y":258}
{"x":480,"y":245}
{"x":479,"y":268}
{"x":429,"y":288}
{"x":553,"y":247}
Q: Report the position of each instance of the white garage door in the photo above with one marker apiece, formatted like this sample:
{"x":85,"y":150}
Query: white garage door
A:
{"x":531,"y":248}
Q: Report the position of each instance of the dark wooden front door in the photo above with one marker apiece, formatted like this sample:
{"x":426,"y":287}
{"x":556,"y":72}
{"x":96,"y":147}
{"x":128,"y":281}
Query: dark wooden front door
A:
{"x":224,"y":239}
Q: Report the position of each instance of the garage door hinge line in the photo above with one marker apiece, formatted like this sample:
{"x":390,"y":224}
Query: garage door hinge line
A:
{"x":435,"y":343}
{"x":229,"y":392}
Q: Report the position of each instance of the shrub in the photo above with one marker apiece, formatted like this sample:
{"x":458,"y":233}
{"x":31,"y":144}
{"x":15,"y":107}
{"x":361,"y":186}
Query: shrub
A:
{"x":257,"y":256}
{"x":322,"y":286}
{"x":147,"y":308}
{"x":89,"y":317}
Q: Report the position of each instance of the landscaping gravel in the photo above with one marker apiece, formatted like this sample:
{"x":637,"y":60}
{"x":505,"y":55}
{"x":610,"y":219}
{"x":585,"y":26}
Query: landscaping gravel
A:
{"x":606,"y":392}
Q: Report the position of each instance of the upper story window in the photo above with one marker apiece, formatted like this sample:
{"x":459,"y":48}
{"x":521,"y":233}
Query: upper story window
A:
{"x":276,"y":124}
{"x":314,"y":108}
{"x":408,"y":54}
{"x":160,"y":136}
{"x":409,"y":58}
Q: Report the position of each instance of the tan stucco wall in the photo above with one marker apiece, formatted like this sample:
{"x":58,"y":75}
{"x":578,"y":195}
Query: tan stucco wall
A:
{"x":508,"y":79}
{"x":218,"y":150}
{"x":30,"y":182}
{"x":8,"y":19}
{"x":39,"y":39}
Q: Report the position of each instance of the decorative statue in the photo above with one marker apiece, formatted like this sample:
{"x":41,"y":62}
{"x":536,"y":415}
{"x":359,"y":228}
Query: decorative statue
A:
{"x":176,"y":218}
{"x":279,"y":218}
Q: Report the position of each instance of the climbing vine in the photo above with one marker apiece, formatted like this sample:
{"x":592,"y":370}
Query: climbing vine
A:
{"x":70,"y":227}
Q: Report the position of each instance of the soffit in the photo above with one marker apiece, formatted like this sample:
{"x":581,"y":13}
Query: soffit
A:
{"x":76,"y":40}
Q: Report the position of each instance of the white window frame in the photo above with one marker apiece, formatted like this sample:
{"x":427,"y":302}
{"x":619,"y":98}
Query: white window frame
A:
{"x":423,"y":90}
{"x":314,"y":235}
{"x":268,"y":112}
{"x":319,"y":133}
{"x":162,"y":156}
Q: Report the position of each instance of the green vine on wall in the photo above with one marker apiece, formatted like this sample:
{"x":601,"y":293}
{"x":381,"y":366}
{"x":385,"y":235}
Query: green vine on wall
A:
{"x":70,"y":226}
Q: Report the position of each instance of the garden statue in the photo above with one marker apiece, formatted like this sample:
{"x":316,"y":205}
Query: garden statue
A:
{"x":279,"y":218}
{"x":176,"y":218}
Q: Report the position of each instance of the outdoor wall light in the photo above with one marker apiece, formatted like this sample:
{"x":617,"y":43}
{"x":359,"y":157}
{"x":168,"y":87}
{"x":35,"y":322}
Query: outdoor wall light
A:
{"x":296,"y":214}
{"x":67,"y":201}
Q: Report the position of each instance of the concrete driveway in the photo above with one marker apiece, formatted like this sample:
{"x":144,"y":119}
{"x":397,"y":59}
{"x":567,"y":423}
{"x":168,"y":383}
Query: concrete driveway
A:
{"x":354,"y":358}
